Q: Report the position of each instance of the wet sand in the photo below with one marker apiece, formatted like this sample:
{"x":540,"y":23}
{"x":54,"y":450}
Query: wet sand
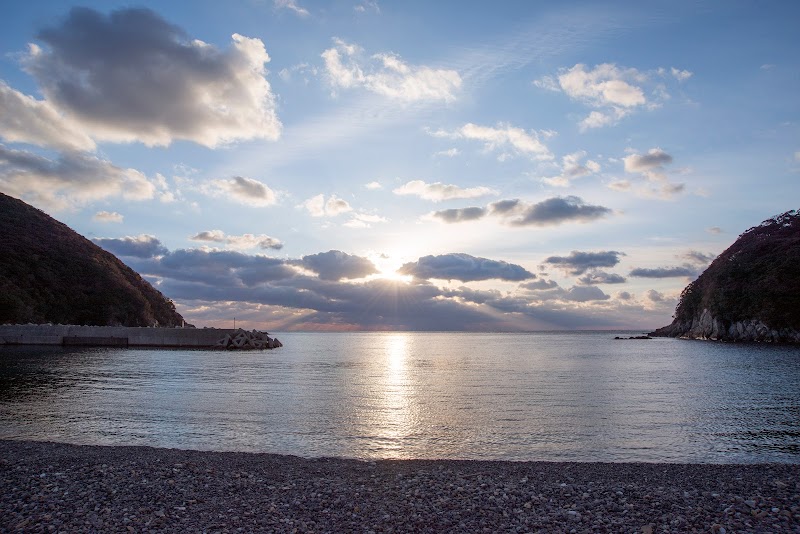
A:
{"x":49,"y":487}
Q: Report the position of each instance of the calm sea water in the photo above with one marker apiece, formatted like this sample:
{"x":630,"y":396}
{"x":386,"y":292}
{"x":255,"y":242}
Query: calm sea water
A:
{"x":548,"y":396}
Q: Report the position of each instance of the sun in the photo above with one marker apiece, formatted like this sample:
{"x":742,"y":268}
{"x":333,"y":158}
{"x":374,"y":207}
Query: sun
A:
{"x":388,"y":264}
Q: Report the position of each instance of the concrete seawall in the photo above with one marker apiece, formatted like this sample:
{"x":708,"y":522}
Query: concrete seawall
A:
{"x":112,"y":336}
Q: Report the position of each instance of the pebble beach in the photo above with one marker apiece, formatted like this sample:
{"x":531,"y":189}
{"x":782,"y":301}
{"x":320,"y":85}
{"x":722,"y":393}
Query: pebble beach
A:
{"x":51,"y":487}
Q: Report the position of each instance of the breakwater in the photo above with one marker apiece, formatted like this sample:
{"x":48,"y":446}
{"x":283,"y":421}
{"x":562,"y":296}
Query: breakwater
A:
{"x":123,"y":336}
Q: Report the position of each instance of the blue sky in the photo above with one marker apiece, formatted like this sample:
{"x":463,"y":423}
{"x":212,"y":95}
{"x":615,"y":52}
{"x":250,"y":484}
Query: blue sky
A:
{"x":406,"y":165}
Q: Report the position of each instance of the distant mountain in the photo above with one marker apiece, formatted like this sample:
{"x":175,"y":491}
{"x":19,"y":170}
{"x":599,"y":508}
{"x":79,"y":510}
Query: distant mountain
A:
{"x":751,"y":292}
{"x":51,"y":274}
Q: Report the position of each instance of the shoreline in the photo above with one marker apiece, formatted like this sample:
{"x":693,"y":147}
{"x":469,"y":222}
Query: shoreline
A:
{"x":132,"y":488}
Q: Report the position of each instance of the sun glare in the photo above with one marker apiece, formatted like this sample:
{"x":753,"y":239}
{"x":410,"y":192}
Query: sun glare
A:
{"x":388,"y":265}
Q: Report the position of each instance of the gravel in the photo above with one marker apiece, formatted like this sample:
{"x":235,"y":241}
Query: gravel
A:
{"x":51,"y":487}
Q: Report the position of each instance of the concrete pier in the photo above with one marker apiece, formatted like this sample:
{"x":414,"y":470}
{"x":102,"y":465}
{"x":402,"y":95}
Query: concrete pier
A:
{"x":112,"y":336}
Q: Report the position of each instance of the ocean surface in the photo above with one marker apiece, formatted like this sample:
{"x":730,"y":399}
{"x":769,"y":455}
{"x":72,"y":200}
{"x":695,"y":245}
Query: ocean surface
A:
{"x":578,"y":396}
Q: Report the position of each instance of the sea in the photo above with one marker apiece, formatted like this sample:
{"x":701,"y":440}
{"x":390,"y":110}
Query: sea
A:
{"x":551,"y":396}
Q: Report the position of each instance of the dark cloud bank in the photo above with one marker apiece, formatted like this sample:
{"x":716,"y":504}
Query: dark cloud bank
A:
{"x":318,"y":291}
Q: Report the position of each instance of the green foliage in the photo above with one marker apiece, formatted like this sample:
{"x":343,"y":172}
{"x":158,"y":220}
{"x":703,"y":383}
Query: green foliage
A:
{"x":50,"y":274}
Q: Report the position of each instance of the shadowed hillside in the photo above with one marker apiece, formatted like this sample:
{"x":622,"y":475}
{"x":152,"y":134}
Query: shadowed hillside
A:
{"x":751,"y":292}
{"x":51,"y":274}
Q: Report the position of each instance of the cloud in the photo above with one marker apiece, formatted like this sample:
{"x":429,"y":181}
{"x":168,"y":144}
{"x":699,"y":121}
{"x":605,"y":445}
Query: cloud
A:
{"x":579,"y":262}
{"x":23,"y":119}
{"x":550,"y":212}
{"x":243,"y":190}
{"x":438,"y":191}
{"x":650,"y":166}
{"x":654,"y":159}
{"x":317,"y":206}
{"x":108,"y":217}
{"x":687,"y":271}
{"x":572,"y":168}
{"x":449,"y":153}
{"x":132,"y":76}
{"x":585,"y":294}
{"x":655,"y":296}
{"x":388,"y":75}
{"x":516,"y":212}
{"x":459,"y":266}
{"x":73,"y":179}
{"x":372,"y":186}
{"x":502,"y":137}
{"x":241,"y":242}
{"x":698,"y":258}
{"x":624,"y":295}
{"x":614,"y":92}
{"x":365,"y":5}
{"x":601,"y":277}
{"x":363,"y":220}
{"x":336,"y":265}
{"x":291,"y":5}
{"x":539,"y":285}
{"x":142,"y":246}
{"x":460,"y":214}
{"x":680,"y":75}
{"x":714,"y":230}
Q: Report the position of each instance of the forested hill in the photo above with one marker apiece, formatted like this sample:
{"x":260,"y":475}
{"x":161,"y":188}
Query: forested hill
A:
{"x":751,"y":292}
{"x":51,"y":274}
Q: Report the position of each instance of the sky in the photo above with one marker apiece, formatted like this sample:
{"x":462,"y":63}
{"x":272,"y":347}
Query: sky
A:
{"x":415,"y":165}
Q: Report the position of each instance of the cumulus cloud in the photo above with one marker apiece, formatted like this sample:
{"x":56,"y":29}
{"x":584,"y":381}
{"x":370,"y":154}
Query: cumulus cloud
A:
{"x":317,"y":206}
{"x":291,"y":5}
{"x":503,"y":137}
{"x":243,"y":190}
{"x":585,"y":294}
{"x":73,"y":179}
{"x":132,"y":76}
{"x":516,"y":212}
{"x":108,"y":217}
{"x":388,"y":75}
{"x":459,"y":266}
{"x":714,"y":230}
{"x":241,"y":242}
{"x":372,"y":186}
{"x":539,"y":285}
{"x":336,"y":265}
{"x":23,"y":119}
{"x":141,"y":246}
{"x":650,"y":166}
{"x":655,"y":296}
{"x":579,"y":262}
{"x":456,"y":215}
{"x":613,"y":92}
{"x":438,"y":191}
{"x":550,"y":212}
{"x":572,"y":168}
{"x":682,"y":271}
{"x":601,"y":277}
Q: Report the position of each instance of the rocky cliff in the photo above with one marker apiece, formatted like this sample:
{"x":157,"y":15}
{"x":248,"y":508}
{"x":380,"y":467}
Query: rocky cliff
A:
{"x":50,"y":274}
{"x":751,"y":292}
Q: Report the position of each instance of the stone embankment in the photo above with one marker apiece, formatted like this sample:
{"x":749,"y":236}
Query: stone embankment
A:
{"x":49,"y":487}
{"x":244,"y":340}
{"x":122,"y":336}
{"x":707,"y":326}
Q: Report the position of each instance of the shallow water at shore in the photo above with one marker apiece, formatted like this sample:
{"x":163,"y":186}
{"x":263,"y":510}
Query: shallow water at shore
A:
{"x":549,"y":396}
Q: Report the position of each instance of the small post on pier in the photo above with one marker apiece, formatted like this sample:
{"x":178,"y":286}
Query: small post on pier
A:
{"x":234,"y":323}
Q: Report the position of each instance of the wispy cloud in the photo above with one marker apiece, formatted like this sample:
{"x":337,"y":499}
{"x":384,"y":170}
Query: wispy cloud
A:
{"x":501,"y":137}
{"x":388,"y":75}
{"x":438,"y":191}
